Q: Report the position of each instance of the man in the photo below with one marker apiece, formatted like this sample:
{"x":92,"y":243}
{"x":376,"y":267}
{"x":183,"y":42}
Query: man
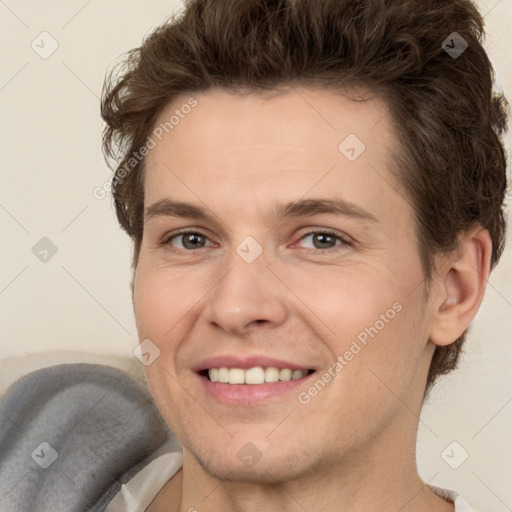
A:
{"x":314,"y":190}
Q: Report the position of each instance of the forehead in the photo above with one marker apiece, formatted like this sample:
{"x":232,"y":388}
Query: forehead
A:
{"x":281,"y":143}
{"x":285,"y":117}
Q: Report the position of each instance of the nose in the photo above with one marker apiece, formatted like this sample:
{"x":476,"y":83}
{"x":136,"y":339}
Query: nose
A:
{"x":248,"y":294}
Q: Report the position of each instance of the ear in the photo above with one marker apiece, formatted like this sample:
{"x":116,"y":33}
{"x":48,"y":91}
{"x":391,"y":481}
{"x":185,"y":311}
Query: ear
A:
{"x":463,"y":279}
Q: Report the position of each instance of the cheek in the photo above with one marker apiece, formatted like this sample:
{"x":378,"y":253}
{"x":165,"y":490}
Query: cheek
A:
{"x":167,"y":302}
{"x":342,"y":305}
{"x":160,"y":299}
{"x":373,"y":320}
{"x":158,"y":306}
{"x":346,"y":300}
{"x":389,"y":351}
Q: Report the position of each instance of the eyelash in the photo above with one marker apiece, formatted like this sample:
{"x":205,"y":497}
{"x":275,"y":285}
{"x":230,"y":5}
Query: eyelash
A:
{"x":345,"y":241}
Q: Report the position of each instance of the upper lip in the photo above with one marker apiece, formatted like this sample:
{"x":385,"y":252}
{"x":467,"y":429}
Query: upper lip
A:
{"x":246,"y":362}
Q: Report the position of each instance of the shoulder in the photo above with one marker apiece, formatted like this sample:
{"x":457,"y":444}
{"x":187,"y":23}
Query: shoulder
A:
{"x":461,"y":505}
{"x":153,"y":488}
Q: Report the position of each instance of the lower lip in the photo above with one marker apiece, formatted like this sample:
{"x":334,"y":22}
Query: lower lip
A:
{"x":250,"y":394}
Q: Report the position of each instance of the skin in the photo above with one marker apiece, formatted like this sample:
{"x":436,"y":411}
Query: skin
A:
{"x":352,"y":447}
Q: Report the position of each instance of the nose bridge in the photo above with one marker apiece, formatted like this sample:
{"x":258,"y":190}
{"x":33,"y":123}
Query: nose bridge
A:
{"x":248,"y":291}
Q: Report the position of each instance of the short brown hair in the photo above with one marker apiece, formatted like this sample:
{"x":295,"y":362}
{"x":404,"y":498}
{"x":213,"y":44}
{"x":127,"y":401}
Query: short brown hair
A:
{"x":448,"y":118}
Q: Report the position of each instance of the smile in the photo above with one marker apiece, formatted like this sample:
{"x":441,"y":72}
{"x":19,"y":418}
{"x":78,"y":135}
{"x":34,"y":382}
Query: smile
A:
{"x":254,"y":376}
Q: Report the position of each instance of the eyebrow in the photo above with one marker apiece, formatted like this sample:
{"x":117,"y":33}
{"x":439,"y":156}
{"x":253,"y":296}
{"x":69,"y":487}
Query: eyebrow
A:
{"x":298,"y":208}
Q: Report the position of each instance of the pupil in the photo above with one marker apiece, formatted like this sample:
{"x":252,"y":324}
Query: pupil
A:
{"x":192,"y":238}
{"x":323,"y":236}
{"x":323,"y":240}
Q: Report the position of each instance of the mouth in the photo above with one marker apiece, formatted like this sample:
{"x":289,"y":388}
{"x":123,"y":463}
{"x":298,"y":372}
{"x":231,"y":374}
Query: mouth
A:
{"x":254,"y":386}
{"x":254,"y":376}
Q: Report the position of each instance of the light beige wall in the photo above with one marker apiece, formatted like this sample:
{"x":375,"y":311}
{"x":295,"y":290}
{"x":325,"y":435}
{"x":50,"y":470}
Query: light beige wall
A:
{"x":79,"y":301}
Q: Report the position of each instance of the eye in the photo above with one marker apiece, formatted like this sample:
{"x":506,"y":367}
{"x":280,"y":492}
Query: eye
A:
{"x":325,"y":239}
{"x":322,"y":240}
{"x":190,"y":240}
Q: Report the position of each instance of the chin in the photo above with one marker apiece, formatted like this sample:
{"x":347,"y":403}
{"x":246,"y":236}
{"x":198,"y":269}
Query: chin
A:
{"x":248,"y":464}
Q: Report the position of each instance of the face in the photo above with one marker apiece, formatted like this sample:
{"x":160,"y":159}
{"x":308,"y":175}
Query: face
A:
{"x":298,"y":253}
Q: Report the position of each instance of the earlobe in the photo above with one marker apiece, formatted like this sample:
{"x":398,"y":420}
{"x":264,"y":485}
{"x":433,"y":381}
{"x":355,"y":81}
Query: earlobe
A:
{"x":462,"y":280}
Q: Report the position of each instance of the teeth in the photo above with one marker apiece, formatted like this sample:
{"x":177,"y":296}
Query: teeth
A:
{"x":285,"y":374}
{"x":256,"y":375}
{"x":271,"y":374}
{"x":236,"y":376}
{"x":297,"y":374}
{"x":223,"y":375}
{"x":253,"y":375}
